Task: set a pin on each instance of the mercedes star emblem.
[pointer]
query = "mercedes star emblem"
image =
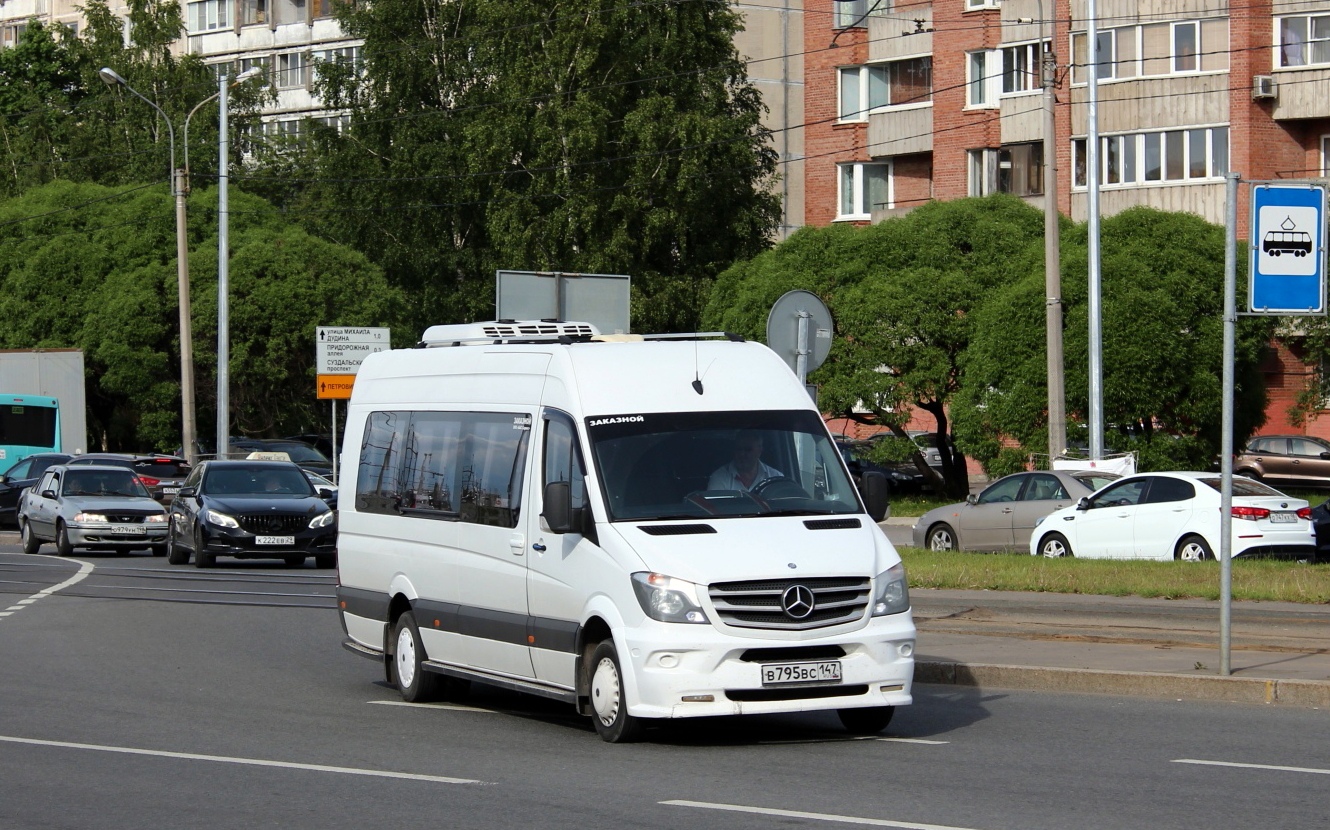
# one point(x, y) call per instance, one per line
point(797, 602)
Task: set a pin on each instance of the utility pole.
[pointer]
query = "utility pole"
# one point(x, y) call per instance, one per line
point(1057, 413)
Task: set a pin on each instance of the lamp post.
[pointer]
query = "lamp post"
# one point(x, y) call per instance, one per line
point(112, 78)
point(223, 260)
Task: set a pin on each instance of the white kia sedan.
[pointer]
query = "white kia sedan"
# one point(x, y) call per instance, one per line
point(1176, 516)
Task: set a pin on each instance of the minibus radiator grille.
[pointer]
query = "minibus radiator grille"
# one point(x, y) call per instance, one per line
point(760, 603)
point(267, 524)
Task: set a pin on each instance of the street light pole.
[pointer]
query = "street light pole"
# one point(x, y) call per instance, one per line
point(111, 78)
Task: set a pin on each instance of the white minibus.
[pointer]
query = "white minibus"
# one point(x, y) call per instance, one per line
point(644, 527)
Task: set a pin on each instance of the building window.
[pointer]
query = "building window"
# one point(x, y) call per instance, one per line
point(974, 5)
point(1017, 169)
point(291, 70)
point(253, 12)
point(1135, 159)
point(1304, 40)
point(1325, 159)
point(1186, 47)
point(864, 188)
point(867, 89)
point(1154, 49)
point(984, 78)
point(1021, 67)
point(862, 90)
point(852, 13)
point(320, 9)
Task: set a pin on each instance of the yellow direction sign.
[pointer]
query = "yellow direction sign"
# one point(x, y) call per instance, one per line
point(336, 387)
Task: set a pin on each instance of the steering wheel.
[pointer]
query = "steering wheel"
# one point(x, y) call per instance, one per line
point(780, 487)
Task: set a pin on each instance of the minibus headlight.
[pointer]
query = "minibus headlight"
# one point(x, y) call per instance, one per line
point(221, 519)
point(893, 596)
point(668, 599)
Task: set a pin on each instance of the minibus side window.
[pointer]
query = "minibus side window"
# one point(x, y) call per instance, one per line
point(377, 489)
point(492, 463)
point(430, 459)
point(563, 459)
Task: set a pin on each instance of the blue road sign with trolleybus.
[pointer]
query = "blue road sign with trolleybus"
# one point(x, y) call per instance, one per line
point(1287, 274)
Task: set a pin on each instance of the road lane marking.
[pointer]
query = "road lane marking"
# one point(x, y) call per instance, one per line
point(451, 706)
point(767, 811)
point(1272, 767)
point(920, 741)
point(253, 762)
point(85, 568)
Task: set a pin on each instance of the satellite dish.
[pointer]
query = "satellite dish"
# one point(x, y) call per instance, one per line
point(797, 310)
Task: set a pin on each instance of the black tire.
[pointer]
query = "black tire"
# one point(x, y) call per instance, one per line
point(408, 663)
point(941, 537)
point(31, 544)
point(294, 561)
point(325, 561)
point(63, 547)
point(1193, 548)
point(202, 558)
point(175, 554)
point(609, 712)
point(867, 721)
point(1055, 546)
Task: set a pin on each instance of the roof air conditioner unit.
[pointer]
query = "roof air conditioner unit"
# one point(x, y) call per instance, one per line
point(1263, 87)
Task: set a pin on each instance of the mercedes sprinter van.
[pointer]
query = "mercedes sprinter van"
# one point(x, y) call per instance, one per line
point(644, 527)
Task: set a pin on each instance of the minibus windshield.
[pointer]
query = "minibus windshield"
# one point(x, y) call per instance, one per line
point(714, 465)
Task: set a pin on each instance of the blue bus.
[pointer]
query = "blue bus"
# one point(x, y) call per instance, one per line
point(28, 424)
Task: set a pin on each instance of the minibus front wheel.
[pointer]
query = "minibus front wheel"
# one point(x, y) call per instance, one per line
point(609, 710)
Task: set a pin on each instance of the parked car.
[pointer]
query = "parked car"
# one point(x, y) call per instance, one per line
point(1286, 460)
point(251, 510)
point(161, 474)
point(901, 478)
point(301, 453)
point(928, 443)
point(1004, 514)
point(322, 485)
point(99, 507)
point(21, 476)
point(1176, 516)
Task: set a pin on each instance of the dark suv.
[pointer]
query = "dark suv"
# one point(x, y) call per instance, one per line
point(1286, 460)
point(161, 474)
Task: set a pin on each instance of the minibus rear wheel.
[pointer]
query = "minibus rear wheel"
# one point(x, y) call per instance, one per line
point(609, 710)
point(415, 684)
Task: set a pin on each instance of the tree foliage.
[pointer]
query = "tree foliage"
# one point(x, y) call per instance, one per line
point(90, 267)
point(943, 310)
point(578, 136)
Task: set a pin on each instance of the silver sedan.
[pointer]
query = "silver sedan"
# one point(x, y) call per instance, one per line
point(1003, 516)
point(104, 508)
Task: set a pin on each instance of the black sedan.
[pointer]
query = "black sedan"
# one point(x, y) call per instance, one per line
point(19, 477)
point(1321, 530)
point(251, 510)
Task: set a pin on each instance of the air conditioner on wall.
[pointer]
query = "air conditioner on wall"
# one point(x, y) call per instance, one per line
point(1262, 87)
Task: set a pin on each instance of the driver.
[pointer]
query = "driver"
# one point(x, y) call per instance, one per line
point(746, 470)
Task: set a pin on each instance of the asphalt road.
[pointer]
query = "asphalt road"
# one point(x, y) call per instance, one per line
point(145, 695)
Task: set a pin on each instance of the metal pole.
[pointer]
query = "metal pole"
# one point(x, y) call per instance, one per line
point(187, 440)
point(801, 354)
point(1057, 413)
point(334, 441)
point(1226, 431)
point(1094, 305)
point(223, 282)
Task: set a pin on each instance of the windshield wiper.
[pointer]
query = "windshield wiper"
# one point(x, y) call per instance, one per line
point(799, 512)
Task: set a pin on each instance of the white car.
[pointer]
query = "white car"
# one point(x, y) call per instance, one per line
point(1176, 516)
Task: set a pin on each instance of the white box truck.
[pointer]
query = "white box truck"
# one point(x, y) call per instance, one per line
point(643, 527)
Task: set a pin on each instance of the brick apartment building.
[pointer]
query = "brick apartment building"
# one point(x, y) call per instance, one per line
point(912, 100)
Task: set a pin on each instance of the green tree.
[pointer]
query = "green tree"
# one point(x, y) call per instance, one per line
point(90, 267)
point(577, 136)
point(1162, 327)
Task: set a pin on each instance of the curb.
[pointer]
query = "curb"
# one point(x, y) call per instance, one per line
point(1314, 694)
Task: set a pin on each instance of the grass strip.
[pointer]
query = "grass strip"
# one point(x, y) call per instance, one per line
point(1252, 579)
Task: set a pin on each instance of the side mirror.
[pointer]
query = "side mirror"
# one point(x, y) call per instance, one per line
point(325, 493)
point(1323, 455)
point(187, 492)
point(4, 479)
point(48, 494)
point(972, 499)
point(558, 512)
point(1084, 503)
point(876, 495)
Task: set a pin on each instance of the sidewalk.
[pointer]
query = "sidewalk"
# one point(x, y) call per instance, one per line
point(1280, 652)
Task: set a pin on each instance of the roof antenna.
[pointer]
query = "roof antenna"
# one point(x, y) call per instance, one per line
point(697, 378)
